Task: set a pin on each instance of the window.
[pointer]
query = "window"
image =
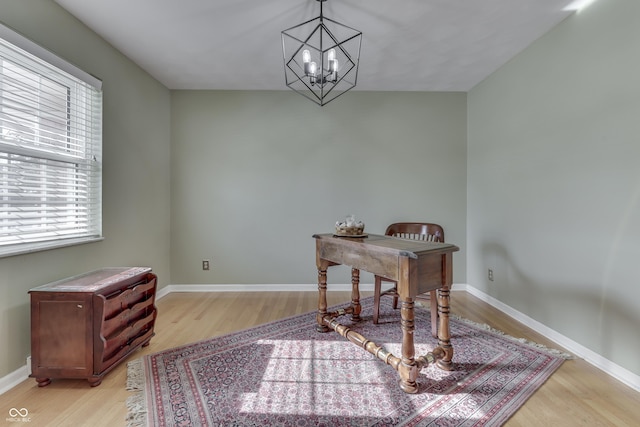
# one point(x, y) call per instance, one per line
point(50, 149)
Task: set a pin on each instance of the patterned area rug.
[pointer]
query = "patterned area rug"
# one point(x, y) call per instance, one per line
point(286, 374)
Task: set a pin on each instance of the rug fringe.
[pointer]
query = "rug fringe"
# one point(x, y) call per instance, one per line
point(489, 328)
point(536, 345)
point(136, 403)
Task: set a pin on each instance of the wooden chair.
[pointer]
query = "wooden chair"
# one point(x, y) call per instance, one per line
point(417, 231)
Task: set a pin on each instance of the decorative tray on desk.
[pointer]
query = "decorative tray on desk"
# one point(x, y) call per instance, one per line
point(350, 228)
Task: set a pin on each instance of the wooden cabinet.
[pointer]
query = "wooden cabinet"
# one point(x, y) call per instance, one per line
point(81, 327)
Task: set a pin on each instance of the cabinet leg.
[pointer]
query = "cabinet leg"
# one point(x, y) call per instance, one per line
point(94, 382)
point(43, 382)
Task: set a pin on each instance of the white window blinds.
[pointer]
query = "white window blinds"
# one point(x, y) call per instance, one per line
point(50, 151)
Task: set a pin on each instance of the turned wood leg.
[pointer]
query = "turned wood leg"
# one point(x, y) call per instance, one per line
point(355, 294)
point(408, 370)
point(444, 337)
point(43, 382)
point(433, 300)
point(322, 299)
point(377, 284)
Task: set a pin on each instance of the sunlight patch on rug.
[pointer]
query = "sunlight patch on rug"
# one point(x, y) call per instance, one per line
point(299, 383)
point(285, 373)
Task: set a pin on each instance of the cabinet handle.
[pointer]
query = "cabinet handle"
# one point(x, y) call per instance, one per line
point(79, 305)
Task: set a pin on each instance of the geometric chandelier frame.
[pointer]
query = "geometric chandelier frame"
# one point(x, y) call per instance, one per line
point(321, 58)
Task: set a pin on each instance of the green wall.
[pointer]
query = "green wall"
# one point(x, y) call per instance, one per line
point(136, 174)
point(554, 182)
point(256, 174)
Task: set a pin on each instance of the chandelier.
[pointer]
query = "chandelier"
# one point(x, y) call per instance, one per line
point(321, 58)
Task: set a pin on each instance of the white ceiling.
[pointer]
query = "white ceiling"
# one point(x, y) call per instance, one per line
point(407, 45)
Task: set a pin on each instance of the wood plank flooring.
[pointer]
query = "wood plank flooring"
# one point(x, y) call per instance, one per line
point(576, 395)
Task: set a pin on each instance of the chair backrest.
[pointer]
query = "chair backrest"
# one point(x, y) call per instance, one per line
point(416, 231)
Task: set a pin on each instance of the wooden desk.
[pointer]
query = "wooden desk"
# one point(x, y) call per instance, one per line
point(416, 266)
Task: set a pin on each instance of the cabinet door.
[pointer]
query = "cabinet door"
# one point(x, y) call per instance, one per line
point(62, 341)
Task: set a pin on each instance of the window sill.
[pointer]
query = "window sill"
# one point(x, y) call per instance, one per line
point(28, 248)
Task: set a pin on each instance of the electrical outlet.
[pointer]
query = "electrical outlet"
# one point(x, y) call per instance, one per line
point(490, 274)
point(205, 264)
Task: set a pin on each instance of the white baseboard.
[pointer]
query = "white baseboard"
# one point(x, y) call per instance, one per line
point(269, 288)
point(616, 371)
point(621, 374)
point(13, 379)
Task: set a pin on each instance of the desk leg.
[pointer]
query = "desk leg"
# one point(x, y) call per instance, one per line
point(408, 368)
point(322, 298)
point(355, 294)
point(444, 336)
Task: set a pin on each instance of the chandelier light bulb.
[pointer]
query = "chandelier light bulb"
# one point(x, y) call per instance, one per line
point(306, 59)
point(333, 62)
point(313, 67)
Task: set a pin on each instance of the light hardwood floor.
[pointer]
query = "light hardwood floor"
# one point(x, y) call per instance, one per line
point(576, 395)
